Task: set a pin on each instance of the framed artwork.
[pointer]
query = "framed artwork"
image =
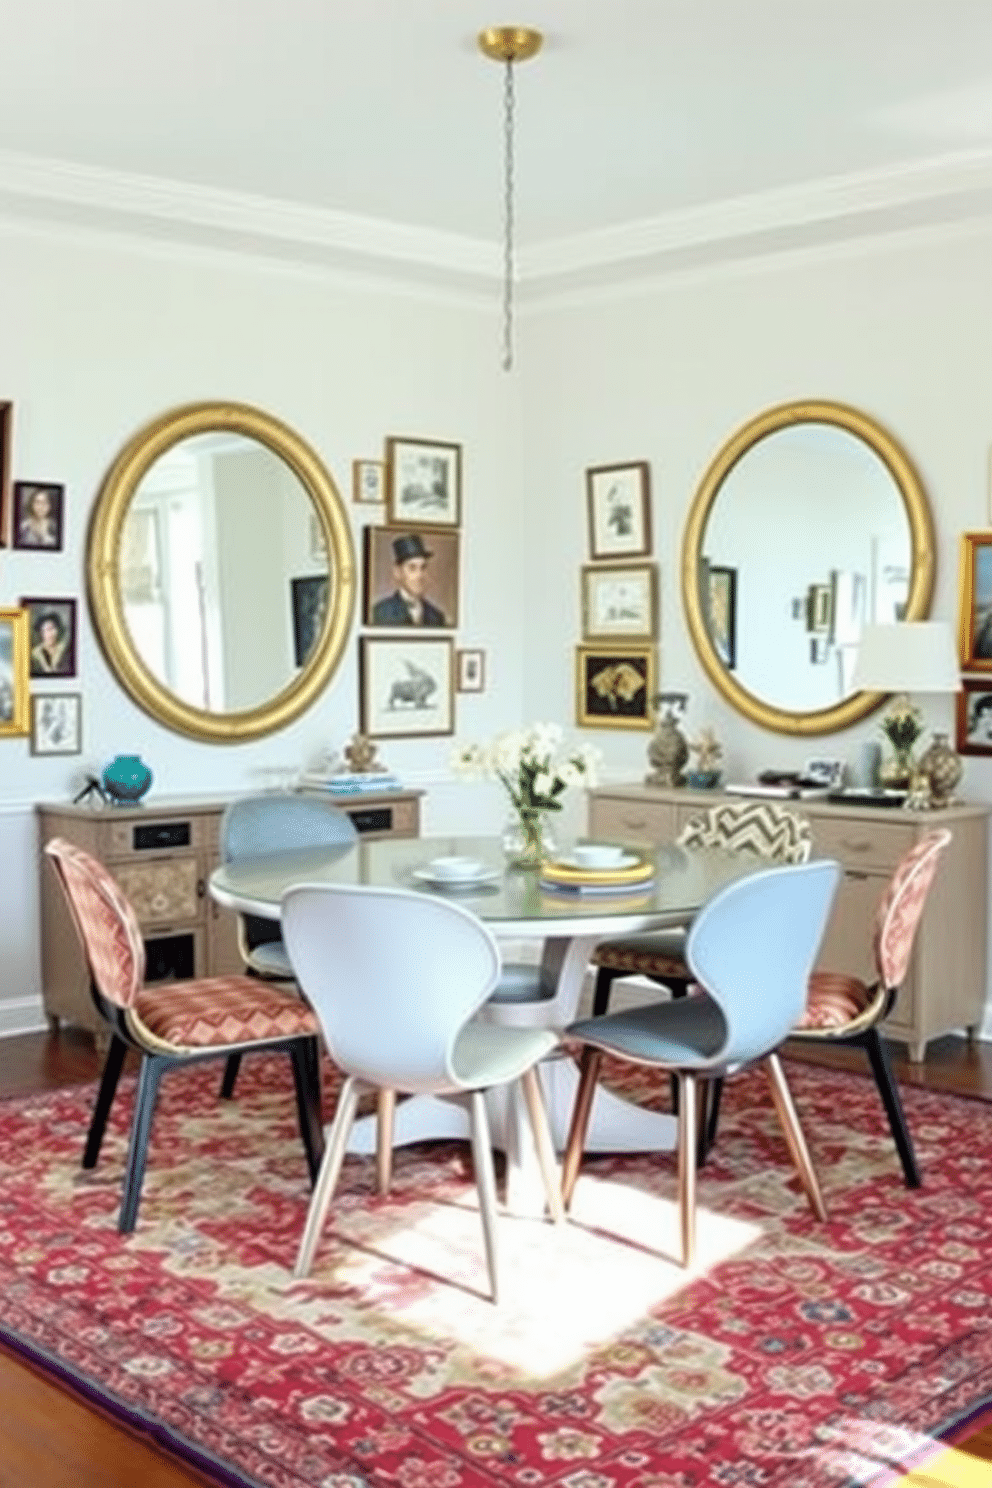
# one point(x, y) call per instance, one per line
point(411, 578)
point(619, 498)
point(818, 608)
point(975, 602)
point(974, 716)
point(308, 598)
point(368, 481)
point(721, 601)
point(52, 635)
point(38, 515)
point(423, 482)
point(56, 723)
point(406, 686)
point(614, 686)
point(620, 602)
point(14, 648)
point(6, 425)
point(471, 671)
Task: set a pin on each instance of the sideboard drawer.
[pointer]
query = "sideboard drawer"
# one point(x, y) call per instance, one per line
point(859, 844)
point(163, 891)
point(156, 834)
point(616, 819)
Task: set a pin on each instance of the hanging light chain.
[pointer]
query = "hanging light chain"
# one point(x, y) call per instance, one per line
point(509, 119)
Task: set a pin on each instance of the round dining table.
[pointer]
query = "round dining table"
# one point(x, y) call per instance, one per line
point(517, 905)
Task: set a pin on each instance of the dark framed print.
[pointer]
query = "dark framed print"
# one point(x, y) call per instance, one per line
point(56, 723)
point(974, 716)
point(614, 686)
point(308, 597)
point(6, 425)
point(620, 602)
point(619, 498)
point(14, 647)
point(406, 686)
point(39, 508)
point(368, 481)
point(423, 482)
point(471, 671)
point(975, 602)
point(52, 627)
point(411, 578)
point(722, 612)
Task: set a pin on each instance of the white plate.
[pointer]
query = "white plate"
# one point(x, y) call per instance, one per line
point(627, 860)
point(484, 875)
point(582, 891)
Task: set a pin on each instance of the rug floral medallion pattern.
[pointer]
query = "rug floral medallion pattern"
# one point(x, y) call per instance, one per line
point(794, 1353)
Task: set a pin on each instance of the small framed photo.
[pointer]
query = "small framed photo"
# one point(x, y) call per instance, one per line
point(406, 686)
point(818, 609)
point(721, 608)
point(368, 481)
point(471, 671)
point(974, 716)
point(614, 686)
point(38, 515)
point(411, 578)
point(619, 498)
point(975, 602)
point(52, 627)
point(6, 424)
point(56, 723)
point(620, 602)
point(423, 482)
point(14, 647)
point(308, 599)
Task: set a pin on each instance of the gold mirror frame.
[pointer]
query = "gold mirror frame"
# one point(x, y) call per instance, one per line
point(841, 715)
point(103, 571)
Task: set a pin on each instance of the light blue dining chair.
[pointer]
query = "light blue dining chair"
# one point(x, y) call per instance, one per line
point(750, 952)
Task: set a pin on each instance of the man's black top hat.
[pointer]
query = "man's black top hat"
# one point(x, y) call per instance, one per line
point(410, 545)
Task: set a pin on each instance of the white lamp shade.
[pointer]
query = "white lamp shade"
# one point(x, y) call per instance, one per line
point(908, 656)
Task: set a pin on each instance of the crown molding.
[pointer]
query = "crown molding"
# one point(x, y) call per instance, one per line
point(937, 192)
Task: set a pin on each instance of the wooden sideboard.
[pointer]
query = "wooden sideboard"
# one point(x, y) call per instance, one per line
point(162, 853)
point(945, 987)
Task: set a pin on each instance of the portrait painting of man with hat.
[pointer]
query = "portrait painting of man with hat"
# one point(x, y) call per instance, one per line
point(402, 565)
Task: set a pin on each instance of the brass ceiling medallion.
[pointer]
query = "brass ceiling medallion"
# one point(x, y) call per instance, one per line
point(508, 45)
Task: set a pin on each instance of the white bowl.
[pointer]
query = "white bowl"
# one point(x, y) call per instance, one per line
point(598, 855)
point(454, 869)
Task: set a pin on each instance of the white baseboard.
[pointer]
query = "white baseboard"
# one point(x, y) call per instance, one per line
point(21, 1015)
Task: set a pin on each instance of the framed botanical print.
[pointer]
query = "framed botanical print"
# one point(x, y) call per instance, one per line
point(56, 723)
point(620, 601)
point(471, 670)
point(14, 648)
point(975, 602)
point(406, 686)
point(423, 482)
point(614, 686)
point(619, 499)
point(52, 625)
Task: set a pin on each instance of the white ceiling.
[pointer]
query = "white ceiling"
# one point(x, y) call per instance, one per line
point(363, 129)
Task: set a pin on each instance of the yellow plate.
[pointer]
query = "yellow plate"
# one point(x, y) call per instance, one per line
point(565, 873)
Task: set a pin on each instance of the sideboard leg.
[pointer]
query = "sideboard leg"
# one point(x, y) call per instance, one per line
point(917, 1052)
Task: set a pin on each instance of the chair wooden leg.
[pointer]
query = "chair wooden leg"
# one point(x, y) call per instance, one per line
point(536, 1109)
point(105, 1099)
point(384, 1123)
point(889, 1091)
point(485, 1182)
point(601, 991)
point(153, 1067)
point(327, 1178)
point(231, 1068)
point(687, 1165)
point(782, 1096)
point(303, 1055)
point(581, 1111)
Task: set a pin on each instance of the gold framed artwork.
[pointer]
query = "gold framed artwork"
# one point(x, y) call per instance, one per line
point(620, 601)
point(368, 481)
point(975, 602)
point(14, 670)
point(614, 686)
point(423, 482)
point(406, 686)
point(619, 501)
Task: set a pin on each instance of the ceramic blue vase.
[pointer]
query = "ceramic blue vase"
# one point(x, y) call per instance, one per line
point(126, 778)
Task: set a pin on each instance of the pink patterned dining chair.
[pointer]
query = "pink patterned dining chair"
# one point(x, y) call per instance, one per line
point(173, 1023)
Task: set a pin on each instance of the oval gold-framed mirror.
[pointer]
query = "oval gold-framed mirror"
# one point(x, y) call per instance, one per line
point(221, 571)
point(809, 521)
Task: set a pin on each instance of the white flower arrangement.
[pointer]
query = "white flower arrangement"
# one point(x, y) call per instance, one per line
point(532, 766)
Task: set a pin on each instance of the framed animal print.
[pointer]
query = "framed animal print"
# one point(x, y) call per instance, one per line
point(406, 686)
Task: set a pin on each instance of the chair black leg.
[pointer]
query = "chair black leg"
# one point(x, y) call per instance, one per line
point(305, 1055)
point(889, 1092)
point(601, 992)
point(153, 1067)
point(231, 1068)
point(104, 1100)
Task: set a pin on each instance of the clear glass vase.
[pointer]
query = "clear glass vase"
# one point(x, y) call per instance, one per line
point(527, 839)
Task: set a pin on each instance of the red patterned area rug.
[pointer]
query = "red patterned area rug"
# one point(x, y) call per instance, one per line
point(794, 1353)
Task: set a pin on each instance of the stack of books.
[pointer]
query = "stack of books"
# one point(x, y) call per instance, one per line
point(346, 784)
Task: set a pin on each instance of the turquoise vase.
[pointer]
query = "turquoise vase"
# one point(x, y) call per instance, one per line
point(126, 779)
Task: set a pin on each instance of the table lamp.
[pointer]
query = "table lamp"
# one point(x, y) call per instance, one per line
point(914, 656)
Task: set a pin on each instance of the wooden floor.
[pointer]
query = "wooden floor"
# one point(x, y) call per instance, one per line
point(49, 1439)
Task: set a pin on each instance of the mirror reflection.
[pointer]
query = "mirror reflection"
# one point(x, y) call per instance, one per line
point(223, 585)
